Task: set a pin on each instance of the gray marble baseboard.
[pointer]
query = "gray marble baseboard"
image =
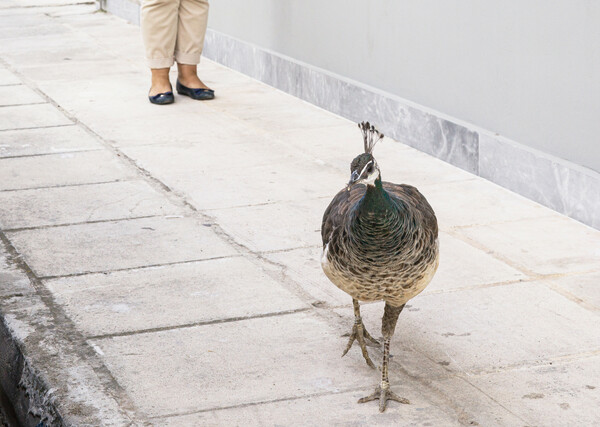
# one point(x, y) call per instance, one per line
point(126, 9)
point(553, 182)
point(565, 187)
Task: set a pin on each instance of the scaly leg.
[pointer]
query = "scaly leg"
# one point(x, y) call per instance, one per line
point(383, 392)
point(359, 333)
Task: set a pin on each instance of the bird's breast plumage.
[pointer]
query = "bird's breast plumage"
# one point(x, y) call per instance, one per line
point(385, 252)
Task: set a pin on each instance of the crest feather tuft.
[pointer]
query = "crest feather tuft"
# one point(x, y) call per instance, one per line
point(371, 136)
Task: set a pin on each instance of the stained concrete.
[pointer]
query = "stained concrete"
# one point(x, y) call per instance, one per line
point(160, 265)
point(60, 169)
point(82, 203)
point(26, 142)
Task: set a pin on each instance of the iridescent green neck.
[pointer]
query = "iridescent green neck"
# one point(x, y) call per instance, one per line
point(376, 199)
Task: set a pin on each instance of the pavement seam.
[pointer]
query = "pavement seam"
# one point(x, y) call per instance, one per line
point(266, 402)
point(44, 187)
point(455, 233)
point(195, 324)
point(20, 105)
point(565, 293)
point(36, 127)
point(97, 221)
point(19, 156)
point(494, 400)
point(139, 267)
point(43, 6)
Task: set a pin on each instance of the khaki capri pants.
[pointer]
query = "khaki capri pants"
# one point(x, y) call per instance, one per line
point(173, 30)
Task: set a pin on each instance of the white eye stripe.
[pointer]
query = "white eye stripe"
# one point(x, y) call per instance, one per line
point(363, 170)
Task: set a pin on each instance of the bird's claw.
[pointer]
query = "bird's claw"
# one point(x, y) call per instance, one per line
point(359, 333)
point(383, 394)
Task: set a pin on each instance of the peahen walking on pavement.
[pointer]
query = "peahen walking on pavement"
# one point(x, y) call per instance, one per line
point(380, 242)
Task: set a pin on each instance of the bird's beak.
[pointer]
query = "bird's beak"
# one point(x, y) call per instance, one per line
point(353, 178)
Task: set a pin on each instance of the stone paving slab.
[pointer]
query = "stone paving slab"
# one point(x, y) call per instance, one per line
point(26, 142)
point(50, 49)
point(168, 296)
point(549, 245)
point(513, 325)
point(31, 116)
point(584, 288)
point(276, 226)
point(478, 408)
point(197, 170)
point(7, 78)
point(18, 32)
point(62, 169)
point(114, 245)
point(18, 95)
point(12, 280)
point(82, 203)
point(560, 394)
point(221, 365)
point(475, 202)
point(39, 3)
point(339, 409)
point(279, 111)
point(71, 71)
point(303, 266)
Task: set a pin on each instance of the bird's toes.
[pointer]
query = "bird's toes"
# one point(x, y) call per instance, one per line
point(393, 396)
point(370, 397)
point(383, 395)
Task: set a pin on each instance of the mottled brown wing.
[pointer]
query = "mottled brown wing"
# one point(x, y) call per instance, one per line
point(410, 195)
point(337, 213)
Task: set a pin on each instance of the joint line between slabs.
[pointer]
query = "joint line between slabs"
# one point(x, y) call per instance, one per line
point(495, 400)
point(139, 267)
point(202, 323)
point(45, 187)
point(34, 6)
point(19, 156)
point(98, 221)
point(262, 402)
point(39, 127)
point(26, 103)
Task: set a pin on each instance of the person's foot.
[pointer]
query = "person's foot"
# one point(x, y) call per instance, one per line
point(188, 76)
point(160, 81)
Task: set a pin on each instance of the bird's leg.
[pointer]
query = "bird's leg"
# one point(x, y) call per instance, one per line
point(383, 392)
point(359, 333)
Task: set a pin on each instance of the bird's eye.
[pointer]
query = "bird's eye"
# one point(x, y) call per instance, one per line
point(370, 169)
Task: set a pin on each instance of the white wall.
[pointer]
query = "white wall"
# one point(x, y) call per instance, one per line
point(528, 70)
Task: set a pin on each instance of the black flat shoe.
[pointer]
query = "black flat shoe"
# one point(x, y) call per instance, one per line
point(199, 94)
point(162, 98)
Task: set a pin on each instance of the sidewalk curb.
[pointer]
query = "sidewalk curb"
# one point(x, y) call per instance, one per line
point(31, 398)
point(48, 372)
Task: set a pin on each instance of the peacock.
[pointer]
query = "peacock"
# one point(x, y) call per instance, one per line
point(380, 242)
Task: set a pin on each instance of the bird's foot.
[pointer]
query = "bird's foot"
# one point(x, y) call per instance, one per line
point(359, 333)
point(383, 393)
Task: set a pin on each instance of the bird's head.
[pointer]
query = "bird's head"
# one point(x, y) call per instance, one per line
point(363, 168)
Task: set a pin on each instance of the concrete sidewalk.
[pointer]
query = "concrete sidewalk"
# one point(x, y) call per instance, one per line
point(159, 265)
